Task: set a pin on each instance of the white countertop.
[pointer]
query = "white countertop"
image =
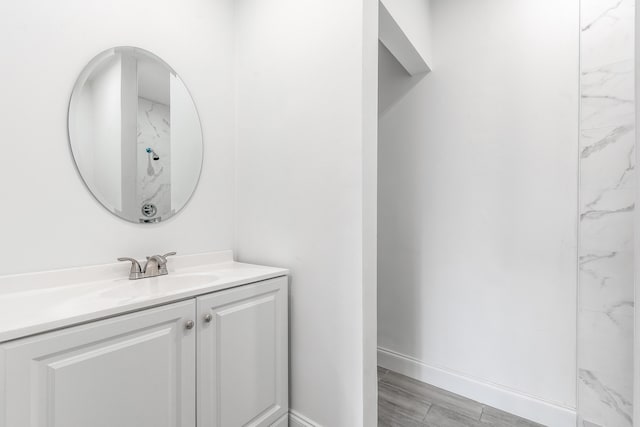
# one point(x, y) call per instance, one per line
point(38, 302)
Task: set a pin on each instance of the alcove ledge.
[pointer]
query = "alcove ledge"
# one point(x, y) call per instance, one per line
point(399, 44)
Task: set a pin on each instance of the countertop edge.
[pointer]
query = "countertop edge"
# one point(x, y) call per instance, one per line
point(53, 325)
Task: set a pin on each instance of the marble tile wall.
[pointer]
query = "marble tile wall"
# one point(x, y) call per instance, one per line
point(154, 176)
point(607, 163)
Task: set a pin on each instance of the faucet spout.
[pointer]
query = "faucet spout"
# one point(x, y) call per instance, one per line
point(155, 266)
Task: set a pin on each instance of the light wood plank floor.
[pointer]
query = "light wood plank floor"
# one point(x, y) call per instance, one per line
point(405, 402)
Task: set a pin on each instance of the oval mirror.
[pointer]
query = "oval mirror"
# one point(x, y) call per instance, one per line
point(135, 135)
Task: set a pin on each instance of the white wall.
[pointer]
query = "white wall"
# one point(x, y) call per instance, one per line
point(478, 200)
point(49, 220)
point(306, 188)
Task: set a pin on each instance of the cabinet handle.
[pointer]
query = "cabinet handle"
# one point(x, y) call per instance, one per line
point(208, 318)
point(189, 324)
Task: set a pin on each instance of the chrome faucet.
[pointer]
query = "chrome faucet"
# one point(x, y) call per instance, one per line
point(156, 265)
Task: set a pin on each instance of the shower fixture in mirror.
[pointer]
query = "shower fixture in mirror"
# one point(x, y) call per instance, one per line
point(135, 135)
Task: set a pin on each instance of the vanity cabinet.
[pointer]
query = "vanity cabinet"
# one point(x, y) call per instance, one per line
point(129, 371)
point(219, 359)
point(242, 356)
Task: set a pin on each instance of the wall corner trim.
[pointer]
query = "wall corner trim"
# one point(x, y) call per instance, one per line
point(494, 395)
point(296, 419)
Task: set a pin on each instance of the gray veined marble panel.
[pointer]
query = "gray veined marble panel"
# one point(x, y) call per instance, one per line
point(613, 146)
point(605, 277)
point(606, 32)
point(604, 401)
point(607, 203)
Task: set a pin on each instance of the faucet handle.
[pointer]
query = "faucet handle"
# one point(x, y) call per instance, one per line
point(163, 267)
point(161, 259)
point(136, 270)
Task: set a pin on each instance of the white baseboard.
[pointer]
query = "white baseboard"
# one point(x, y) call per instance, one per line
point(283, 421)
point(296, 419)
point(505, 399)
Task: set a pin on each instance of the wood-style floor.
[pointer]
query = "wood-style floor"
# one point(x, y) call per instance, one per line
point(405, 402)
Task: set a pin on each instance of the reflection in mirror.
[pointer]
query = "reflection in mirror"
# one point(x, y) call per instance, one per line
point(135, 135)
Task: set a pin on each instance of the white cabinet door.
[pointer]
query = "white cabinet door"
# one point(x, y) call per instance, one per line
point(136, 370)
point(242, 355)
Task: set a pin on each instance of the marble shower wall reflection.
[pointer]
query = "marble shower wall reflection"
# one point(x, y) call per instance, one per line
point(154, 176)
point(607, 168)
